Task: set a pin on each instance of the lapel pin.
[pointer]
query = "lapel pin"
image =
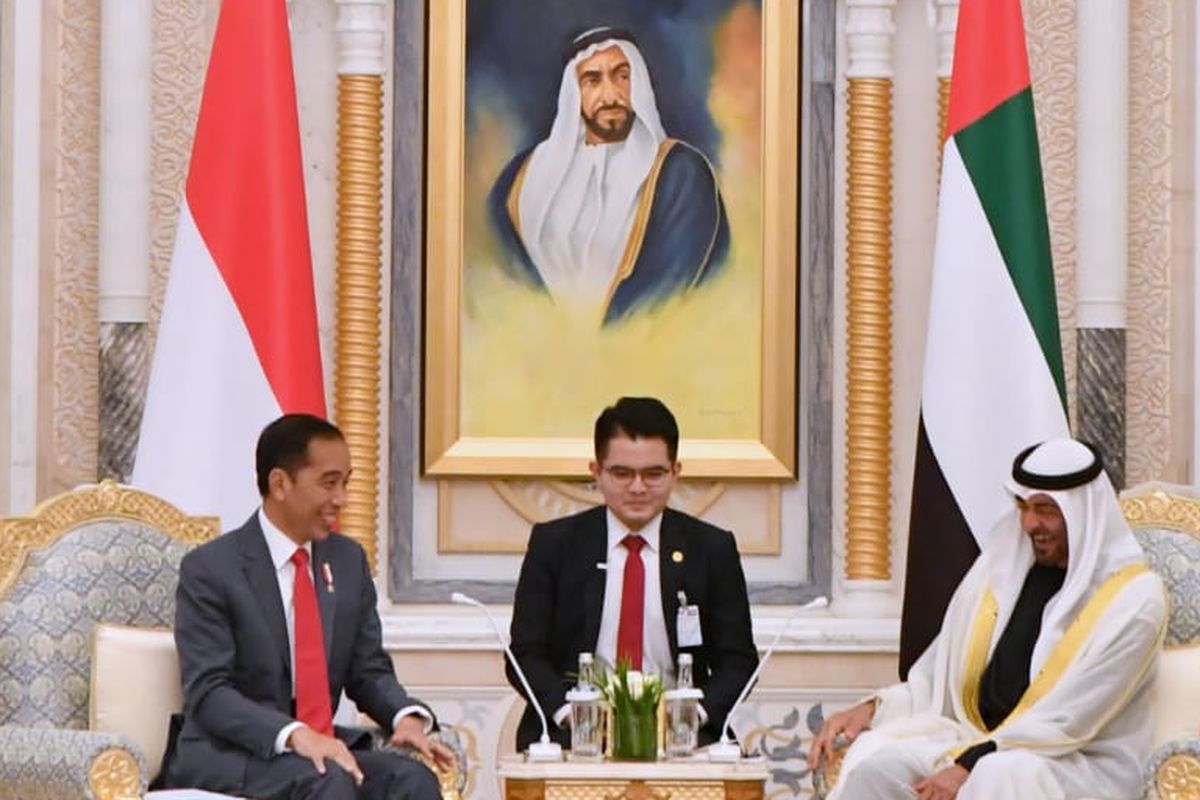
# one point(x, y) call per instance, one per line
point(677, 556)
point(327, 574)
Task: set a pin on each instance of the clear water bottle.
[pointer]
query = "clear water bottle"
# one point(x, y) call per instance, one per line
point(587, 712)
point(683, 671)
point(682, 711)
point(587, 670)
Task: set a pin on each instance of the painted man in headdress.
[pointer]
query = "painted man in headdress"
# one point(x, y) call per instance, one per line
point(608, 213)
point(1038, 684)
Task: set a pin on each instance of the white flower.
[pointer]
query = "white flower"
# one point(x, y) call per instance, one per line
point(636, 684)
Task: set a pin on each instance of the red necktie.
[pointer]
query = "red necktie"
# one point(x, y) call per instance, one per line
point(312, 679)
point(633, 603)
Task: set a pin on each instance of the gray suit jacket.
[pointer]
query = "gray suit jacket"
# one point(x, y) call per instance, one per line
point(235, 660)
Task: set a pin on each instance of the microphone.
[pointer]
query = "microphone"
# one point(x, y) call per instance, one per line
point(725, 750)
point(543, 750)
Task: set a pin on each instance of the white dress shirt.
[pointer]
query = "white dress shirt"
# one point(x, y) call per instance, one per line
point(656, 648)
point(281, 548)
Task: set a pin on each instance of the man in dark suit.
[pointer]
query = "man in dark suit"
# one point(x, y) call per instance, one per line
point(632, 580)
point(273, 621)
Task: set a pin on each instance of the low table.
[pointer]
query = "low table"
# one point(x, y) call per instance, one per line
point(681, 779)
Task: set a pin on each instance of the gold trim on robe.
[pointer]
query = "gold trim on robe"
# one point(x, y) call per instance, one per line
point(1060, 658)
point(977, 656)
point(641, 219)
point(513, 202)
point(1080, 629)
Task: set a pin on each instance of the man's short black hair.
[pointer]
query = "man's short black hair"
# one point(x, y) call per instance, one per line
point(637, 418)
point(284, 444)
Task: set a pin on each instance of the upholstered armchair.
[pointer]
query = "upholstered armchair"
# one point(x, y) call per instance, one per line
point(1166, 521)
point(103, 553)
point(88, 670)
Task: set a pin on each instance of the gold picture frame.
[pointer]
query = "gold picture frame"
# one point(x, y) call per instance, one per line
point(447, 449)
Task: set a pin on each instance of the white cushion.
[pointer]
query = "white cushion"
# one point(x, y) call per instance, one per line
point(1175, 696)
point(135, 686)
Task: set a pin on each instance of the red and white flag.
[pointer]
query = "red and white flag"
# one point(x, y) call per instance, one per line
point(237, 343)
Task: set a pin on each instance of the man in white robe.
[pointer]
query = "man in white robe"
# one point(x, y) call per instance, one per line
point(607, 214)
point(1038, 684)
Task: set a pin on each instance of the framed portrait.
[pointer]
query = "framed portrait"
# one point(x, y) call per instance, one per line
point(611, 209)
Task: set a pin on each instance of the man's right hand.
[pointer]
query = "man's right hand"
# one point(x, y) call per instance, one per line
point(852, 722)
point(304, 741)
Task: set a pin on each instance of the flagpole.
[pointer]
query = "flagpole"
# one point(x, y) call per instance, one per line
point(360, 31)
point(867, 567)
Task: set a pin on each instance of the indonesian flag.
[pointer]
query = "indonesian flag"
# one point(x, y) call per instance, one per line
point(993, 381)
point(237, 343)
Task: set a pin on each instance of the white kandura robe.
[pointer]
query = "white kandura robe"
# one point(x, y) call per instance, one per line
point(1088, 734)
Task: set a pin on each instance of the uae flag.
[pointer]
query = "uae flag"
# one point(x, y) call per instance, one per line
point(237, 343)
point(993, 381)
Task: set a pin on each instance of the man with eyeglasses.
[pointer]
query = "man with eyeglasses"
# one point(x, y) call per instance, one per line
point(631, 580)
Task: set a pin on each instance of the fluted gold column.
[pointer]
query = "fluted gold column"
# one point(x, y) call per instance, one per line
point(358, 369)
point(869, 329)
point(359, 261)
point(866, 557)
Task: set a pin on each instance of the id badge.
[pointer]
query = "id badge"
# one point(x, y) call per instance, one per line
point(687, 627)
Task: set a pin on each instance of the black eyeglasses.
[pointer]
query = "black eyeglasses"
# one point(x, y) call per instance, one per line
point(652, 477)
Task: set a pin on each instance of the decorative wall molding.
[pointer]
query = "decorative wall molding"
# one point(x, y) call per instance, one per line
point(75, 397)
point(1050, 34)
point(183, 31)
point(1149, 312)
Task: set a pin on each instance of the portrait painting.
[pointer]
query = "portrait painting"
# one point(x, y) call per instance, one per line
point(610, 211)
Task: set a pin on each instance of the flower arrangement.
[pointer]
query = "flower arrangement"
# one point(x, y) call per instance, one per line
point(633, 697)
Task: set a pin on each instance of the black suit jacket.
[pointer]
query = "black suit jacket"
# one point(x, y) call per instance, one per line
point(560, 597)
point(235, 660)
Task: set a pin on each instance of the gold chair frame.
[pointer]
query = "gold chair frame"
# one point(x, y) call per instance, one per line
point(58, 516)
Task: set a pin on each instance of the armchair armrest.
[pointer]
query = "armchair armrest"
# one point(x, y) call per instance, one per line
point(1173, 770)
point(56, 764)
point(825, 776)
point(453, 783)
